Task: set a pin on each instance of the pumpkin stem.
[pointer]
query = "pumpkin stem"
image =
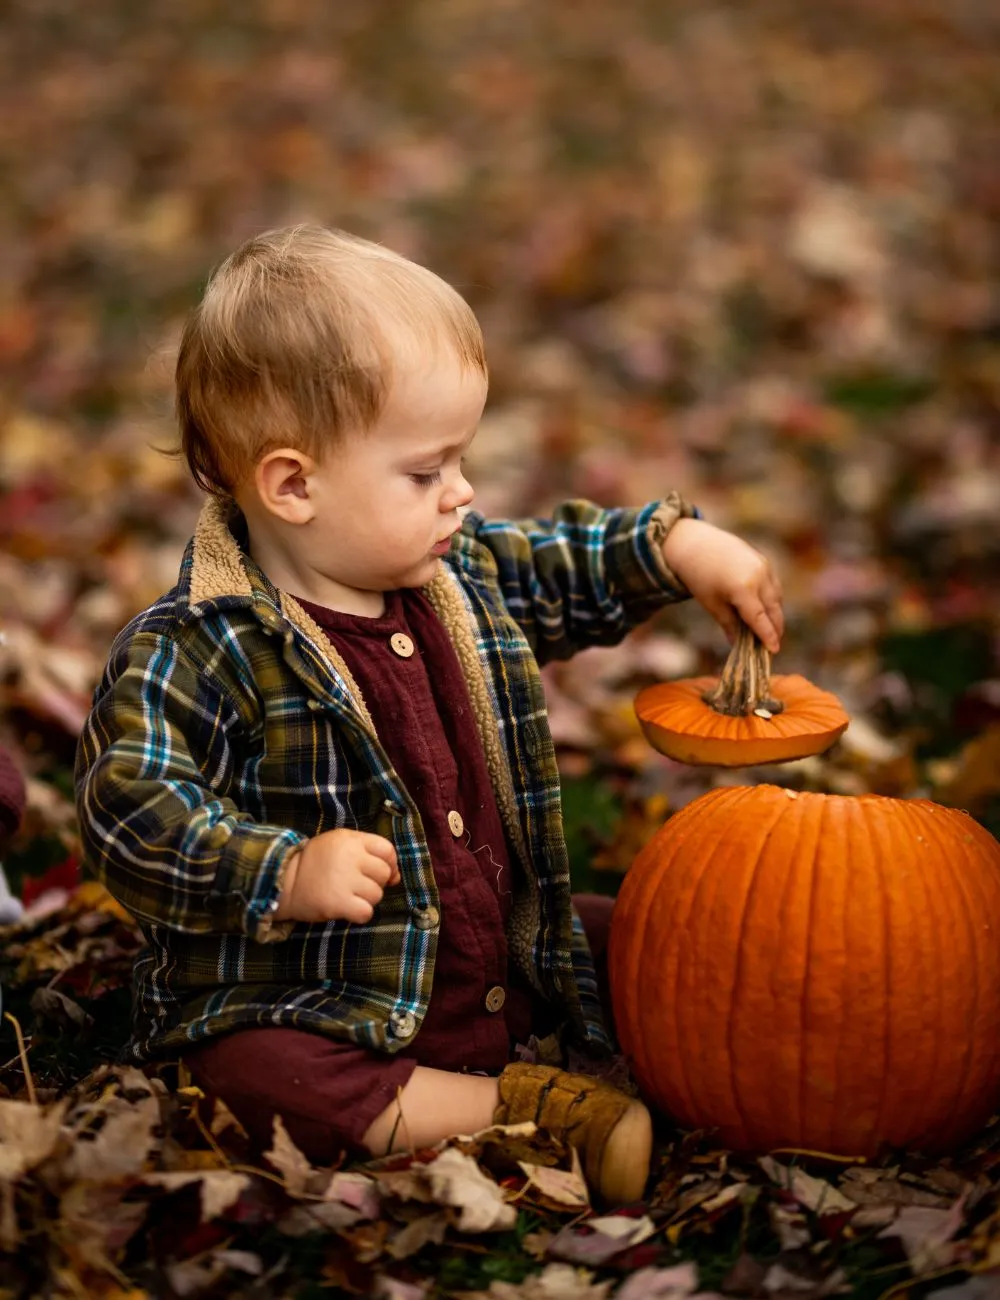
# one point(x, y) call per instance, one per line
point(743, 686)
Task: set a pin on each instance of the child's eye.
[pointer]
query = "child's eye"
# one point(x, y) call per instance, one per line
point(427, 480)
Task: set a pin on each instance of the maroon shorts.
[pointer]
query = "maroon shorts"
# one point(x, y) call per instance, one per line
point(327, 1092)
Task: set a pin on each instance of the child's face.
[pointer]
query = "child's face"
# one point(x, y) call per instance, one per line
point(386, 501)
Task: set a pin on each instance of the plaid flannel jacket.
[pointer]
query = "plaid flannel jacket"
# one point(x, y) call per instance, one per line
point(226, 730)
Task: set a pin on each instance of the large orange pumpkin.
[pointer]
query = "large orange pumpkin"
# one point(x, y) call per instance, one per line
point(813, 971)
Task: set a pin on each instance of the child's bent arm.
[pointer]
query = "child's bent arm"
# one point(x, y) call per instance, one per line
point(585, 577)
point(169, 846)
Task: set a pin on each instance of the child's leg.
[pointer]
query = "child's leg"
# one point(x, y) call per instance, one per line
point(612, 1132)
point(434, 1104)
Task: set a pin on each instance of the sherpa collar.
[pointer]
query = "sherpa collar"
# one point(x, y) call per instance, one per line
point(220, 569)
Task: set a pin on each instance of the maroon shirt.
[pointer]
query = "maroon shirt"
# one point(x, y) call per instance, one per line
point(328, 1092)
point(420, 706)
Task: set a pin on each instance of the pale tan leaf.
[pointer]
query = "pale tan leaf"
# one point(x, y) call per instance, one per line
point(815, 1194)
point(219, 1188)
point(121, 1147)
point(455, 1179)
point(564, 1189)
point(289, 1161)
point(429, 1228)
point(28, 1135)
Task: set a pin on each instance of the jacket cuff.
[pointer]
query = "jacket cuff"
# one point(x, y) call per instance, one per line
point(268, 930)
point(664, 515)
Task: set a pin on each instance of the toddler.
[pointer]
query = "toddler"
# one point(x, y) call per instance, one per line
point(318, 770)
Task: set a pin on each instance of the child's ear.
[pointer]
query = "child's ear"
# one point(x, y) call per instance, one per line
point(282, 482)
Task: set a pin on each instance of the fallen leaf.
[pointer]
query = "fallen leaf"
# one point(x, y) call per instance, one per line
point(558, 1189)
point(455, 1179)
point(28, 1135)
point(219, 1188)
point(926, 1234)
point(815, 1194)
point(416, 1234)
point(296, 1171)
point(778, 1278)
point(190, 1276)
point(392, 1288)
point(121, 1146)
point(661, 1283)
point(595, 1241)
point(555, 1282)
point(870, 1187)
point(355, 1191)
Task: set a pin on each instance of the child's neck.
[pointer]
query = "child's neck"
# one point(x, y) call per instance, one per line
point(363, 604)
point(301, 580)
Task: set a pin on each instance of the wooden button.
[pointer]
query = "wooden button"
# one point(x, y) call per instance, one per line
point(401, 644)
point(455, 823)
point(495, 998)
point(426, 918)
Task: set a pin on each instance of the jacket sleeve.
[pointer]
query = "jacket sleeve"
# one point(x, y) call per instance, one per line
point(152, 766)
point(585, 577)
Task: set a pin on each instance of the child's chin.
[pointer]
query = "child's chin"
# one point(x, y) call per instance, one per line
point(420, 573)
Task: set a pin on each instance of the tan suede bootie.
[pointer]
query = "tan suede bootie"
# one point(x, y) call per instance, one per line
point(612, 1132)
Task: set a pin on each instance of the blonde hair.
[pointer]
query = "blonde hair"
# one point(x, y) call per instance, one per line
point(294, 342)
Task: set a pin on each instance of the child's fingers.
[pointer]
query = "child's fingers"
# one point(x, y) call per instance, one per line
point(759, 620)
point(377, 870)
point(385, 851)
point(367, 888)
point(380, 847)
point(358, 911)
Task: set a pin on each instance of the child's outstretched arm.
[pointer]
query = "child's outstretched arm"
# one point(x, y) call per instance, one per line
point(588, 575)
point(728, 577)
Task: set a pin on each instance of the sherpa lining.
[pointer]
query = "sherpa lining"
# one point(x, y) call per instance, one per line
point(217, 563)
point(218, 571)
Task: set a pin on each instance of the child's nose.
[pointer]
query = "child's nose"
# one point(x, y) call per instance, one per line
point(458, 495)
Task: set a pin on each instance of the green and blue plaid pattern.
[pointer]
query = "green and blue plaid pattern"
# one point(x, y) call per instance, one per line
point(222, 735)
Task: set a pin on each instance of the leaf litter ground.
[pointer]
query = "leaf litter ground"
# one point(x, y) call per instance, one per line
point(120, 1183)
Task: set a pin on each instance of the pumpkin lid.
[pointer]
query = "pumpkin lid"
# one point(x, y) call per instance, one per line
point(745, 717)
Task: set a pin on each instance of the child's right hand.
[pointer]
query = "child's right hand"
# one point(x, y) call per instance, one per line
point(338, 876)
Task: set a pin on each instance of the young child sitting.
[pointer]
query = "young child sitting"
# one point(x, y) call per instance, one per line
point(318, 770)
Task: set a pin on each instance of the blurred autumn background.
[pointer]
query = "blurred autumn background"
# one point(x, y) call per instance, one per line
point(748, 250)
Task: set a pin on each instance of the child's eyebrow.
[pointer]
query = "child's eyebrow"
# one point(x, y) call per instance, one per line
point(440, 448)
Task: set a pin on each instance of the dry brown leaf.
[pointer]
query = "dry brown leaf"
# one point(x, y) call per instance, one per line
point(121, 1147)
point(455, 1179)
point(28, 1136)
point(296, 1171)
point(926, 1234)
point(555, 1282)
point(428, 1228)
point(218, 1188)
point(95, 1223)
point(557, 1189)
point(815, 1194)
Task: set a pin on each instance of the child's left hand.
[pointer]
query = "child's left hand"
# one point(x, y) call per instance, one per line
point(727, 576)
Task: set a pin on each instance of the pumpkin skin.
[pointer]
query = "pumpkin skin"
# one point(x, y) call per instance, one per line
point(676, 721)
point(810, 971)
